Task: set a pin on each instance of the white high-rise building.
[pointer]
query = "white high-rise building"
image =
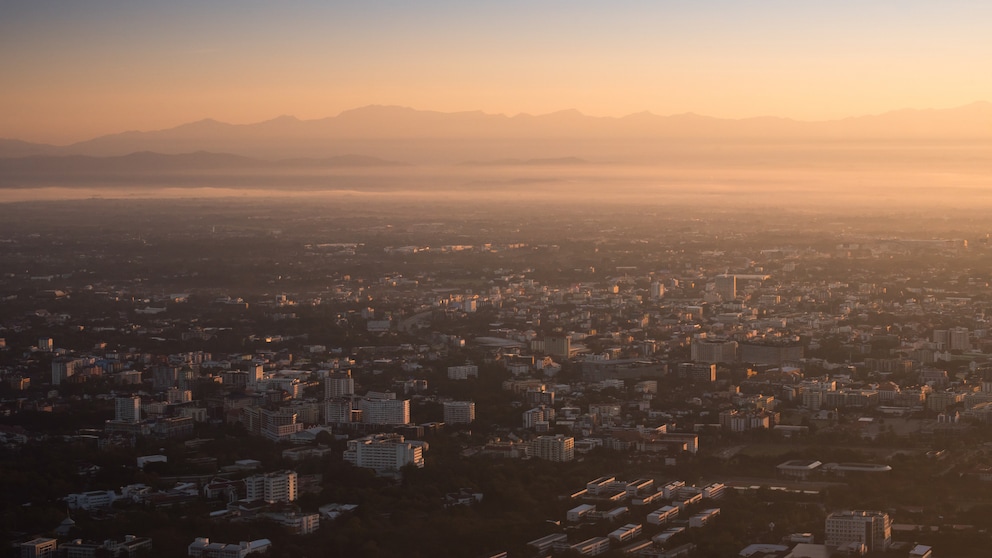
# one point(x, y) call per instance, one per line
point(128, 409)
point(870, 528)
point(339, 384)
point(279, 486)
point(554, 448)
point(385, 411)
point(459, 412)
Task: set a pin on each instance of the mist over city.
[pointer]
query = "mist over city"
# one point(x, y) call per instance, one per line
point(395, 279)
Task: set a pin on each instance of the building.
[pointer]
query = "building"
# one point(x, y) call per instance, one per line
point(278, 486)
point(338, 411)
point(626, 533)
point(577, 513)
point(129, 547)
point(62, 368)
point(278, 425)
point(203, 548)
point(538, 415)
point(703, 518)
point(771, 353)
point(558, 345)
point(297, 523)
point(385, 411)
point(713, 351)
point(556, 448)
point(385, 452)
point(164, 377)
point(459, 412)
point(697, 373)
point(592, 547)
point(544, 544)
point(663, 515)
point(870, 528)
point(42, 547)
point(726, 286)
point(339, 384)
point(127, 409)
point(463, 372)
point(176, 396)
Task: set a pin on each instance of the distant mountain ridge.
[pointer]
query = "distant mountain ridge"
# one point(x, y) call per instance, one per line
point(406, 134)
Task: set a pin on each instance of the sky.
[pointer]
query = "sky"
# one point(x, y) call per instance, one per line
point(75, 70)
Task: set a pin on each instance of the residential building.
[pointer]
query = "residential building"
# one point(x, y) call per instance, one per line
point(339, 384)
point(463, 372)
point(459, 412)
point(127, 409)
point(385, 452)
point(726, 286)
point(385, 411)
point(870, 528)
point(557, 448)
point(278, 486)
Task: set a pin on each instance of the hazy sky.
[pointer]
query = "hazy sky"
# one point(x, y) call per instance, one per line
point(71, 70)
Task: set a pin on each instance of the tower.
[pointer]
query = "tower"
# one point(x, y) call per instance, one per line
point(726, 286)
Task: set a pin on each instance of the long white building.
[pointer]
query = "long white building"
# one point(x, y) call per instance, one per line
point(385, 411)
point(385, 452)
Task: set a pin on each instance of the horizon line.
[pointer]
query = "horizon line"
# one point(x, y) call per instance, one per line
point(285, 116)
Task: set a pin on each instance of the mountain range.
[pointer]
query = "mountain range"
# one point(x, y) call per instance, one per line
point(390, 133)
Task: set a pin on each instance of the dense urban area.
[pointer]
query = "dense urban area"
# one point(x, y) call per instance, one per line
point(390, 377)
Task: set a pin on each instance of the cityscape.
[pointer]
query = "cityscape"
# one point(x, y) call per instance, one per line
point(651, 386)
point(495, 280)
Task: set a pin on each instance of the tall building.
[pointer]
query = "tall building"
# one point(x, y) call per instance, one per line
point(385, 411)
point(385, 452)
point(278, 486)
point(165, 377)
point(558, 345)
point(870, 528)
point(657, 290)
point(556, 448)
point(45, 344)
point(186, 377)
point(62, 368)
point(726, 286)
point(459, 412)
point(958, 338)
point(128, 409)
point(337, 411)
point(339, 384)
point(256, 372)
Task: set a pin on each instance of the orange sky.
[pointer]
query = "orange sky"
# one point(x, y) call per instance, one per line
point(76, 70)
